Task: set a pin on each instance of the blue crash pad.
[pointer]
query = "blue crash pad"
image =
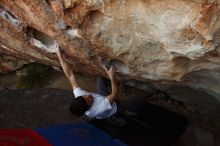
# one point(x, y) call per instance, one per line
point(77, 135)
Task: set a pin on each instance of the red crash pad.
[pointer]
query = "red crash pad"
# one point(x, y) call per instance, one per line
point(21, 137)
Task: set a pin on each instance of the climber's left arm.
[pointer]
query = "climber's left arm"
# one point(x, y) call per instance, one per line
point(67, 70)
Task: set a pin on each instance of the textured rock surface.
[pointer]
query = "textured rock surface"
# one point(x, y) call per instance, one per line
point(166, 41)
point(9, 64)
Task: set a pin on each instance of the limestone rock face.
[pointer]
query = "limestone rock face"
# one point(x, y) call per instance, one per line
point(9, 64)
point(166, 41)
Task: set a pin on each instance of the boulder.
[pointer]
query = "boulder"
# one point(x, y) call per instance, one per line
point(164, 42)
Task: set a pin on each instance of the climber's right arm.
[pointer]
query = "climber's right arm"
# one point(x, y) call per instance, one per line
point(111, 73)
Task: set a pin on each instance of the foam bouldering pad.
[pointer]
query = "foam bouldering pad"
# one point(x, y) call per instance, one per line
point(77, 135)
point(21, 137)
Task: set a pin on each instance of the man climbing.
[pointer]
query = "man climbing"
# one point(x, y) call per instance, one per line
point(94, 105)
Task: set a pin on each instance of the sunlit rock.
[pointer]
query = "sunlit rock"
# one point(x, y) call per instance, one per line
point(165, 42)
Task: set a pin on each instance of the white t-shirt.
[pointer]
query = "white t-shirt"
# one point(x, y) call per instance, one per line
point(101, 107)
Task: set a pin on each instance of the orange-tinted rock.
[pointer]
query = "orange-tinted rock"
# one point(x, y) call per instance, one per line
point(9, 64)
point(162, 40)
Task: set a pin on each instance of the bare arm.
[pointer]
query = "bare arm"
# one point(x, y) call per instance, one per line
point(67, 71)
point(112, 97)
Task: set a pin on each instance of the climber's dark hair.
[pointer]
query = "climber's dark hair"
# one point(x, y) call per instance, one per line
point(78, 106)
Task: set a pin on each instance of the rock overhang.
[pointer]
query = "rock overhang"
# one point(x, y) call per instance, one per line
point(146, 40)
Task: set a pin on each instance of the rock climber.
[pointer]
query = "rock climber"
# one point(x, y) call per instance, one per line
point(94, 105)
